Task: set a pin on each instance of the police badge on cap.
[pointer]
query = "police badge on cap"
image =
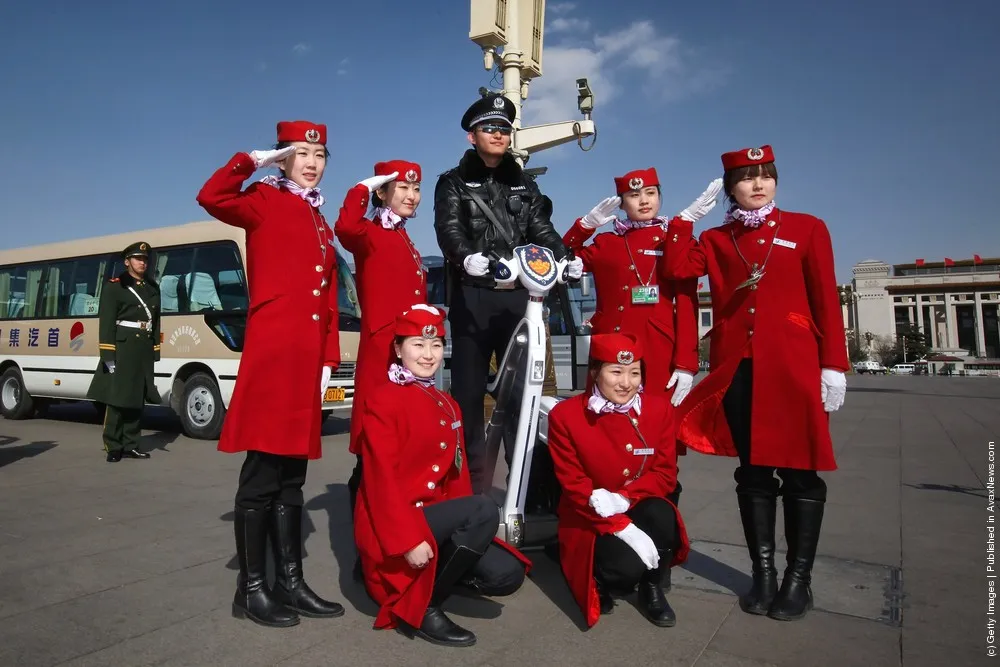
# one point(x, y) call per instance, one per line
point(492, 108)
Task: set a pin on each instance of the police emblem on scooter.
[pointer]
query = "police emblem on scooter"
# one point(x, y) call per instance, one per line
point(537, 264)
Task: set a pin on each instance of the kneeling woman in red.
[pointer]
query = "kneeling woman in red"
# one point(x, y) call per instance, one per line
point(616, 464)
point(418, 528)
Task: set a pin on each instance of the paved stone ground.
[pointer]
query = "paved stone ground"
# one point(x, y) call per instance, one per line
point(133, 564)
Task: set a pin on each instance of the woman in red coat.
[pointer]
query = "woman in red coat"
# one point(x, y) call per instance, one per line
point(418, 527)
point(390, 274)
point(616, 464)
point(290, 350)
point(778, 359)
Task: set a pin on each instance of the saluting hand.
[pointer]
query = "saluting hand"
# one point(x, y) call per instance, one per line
point(705, 202)
point(419, 556)
point(375, 182)
point(267, 158)
point(601, 214)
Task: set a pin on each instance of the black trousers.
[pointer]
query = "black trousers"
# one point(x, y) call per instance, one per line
point(482, 323)
point(616, 564)
point(759, 480)
point(269, 478)
point(472, 522)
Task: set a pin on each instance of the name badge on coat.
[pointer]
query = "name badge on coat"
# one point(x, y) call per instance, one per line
point(783, 243)
point(644, 452)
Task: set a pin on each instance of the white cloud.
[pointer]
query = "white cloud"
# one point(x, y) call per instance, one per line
point(561, 7)
point(567, 25)
point(342, 66)
point(301, 48)
point(651, 66)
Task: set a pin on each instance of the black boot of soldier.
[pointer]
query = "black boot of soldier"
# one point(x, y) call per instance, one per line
point(758, 515)
point(803, 519)
point(253, 600)
point(290, 587)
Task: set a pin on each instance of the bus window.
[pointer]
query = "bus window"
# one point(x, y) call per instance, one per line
point(195, 279)
point(347, 292)
point(19, 286)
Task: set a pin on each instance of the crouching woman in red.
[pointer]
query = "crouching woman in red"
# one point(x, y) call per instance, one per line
point(778, 361)
point(290, 350)
point(616, 463)
point(418, 528)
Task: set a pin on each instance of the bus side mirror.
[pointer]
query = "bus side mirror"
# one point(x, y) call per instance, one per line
point(585, 285)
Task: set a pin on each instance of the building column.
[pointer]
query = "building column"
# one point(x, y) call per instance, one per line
point(950, 324)
point(932, 313)
point(980, 325)
point(920, 313)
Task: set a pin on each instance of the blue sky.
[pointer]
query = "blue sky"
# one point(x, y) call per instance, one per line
point(883, 115)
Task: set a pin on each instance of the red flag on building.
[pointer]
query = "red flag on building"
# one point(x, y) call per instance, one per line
point(920, 262)
point(976, 259)
point(948, 261)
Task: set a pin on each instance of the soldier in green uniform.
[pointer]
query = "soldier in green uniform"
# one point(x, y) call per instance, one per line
point(129, 343)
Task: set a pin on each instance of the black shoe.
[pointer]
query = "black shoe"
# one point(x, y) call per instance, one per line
point(253, 600)
point(359, 573)
point(803, 519)
point(290, 588)
point(652, 601)
point(604, 597)
point(758, 515)
point(134, 454)
point(436, 627)
point(114, 455)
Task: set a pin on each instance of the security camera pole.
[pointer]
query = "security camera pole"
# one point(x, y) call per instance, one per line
point(518, 27)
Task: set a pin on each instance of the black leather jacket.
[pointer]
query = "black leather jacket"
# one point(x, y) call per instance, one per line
point(463, 229)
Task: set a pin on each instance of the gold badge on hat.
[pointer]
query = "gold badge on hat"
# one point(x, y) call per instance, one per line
point(430, 331)
point(312, 136)
point(755, 154)
point(625, 357)
point(411, 176)
point(636, 183)
point(142, 246)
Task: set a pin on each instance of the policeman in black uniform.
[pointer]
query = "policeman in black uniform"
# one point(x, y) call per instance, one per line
point(483, 209)
point(129, 343)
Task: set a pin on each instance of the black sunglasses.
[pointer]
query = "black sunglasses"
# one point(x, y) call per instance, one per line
point(491, 129)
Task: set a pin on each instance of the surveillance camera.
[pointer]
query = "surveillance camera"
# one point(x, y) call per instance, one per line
point(583, 87)
point(585, 97)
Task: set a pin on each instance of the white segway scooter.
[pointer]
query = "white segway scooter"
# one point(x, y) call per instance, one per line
point(527, 507)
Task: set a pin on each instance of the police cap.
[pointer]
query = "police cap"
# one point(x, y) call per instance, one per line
point(493, 107)
point(137, 249)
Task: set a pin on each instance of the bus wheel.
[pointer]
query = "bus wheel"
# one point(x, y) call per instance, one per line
point(202, 411)
point(15, 401)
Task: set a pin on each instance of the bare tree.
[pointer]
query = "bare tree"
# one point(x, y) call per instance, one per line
point(883, 349)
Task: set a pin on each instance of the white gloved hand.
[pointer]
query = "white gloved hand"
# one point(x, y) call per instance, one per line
point(267, 158)
point(705, 202)
point(476, 265)
point(833, 389)
point(641, 544)
point(574, 270)
point(683, 380)
point(601, 214)
point(324, 381)
point(608, 504)
point(375, 182)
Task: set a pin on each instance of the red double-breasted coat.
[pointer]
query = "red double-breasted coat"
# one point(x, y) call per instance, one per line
point(789, 322)
point(391, 278)
point(292, 323)
point(668, 329)
point(591, 451)
point(408, 444)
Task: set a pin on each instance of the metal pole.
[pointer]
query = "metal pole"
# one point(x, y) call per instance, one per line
point(511, 62)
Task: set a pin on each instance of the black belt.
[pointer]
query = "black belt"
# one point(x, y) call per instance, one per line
point(490, 284)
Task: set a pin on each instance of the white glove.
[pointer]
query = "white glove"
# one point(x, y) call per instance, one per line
point(683, 380)
point(574, 270)
point(700, 207)
point(267, 158)
point(833, 389)
point(601, 214)
point(642, 544)
point(110, 365)
point(375, 182)
point(476, 265)
point(608, 504)
point(324, 381)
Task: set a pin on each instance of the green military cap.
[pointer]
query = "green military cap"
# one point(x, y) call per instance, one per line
point(138, 249)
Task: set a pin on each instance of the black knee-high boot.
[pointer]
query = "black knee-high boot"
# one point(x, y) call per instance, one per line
point(758, 515)
point(803, 519)
point(290, 587)
point(253, 599)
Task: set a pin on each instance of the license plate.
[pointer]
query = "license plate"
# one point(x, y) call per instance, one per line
point(334, 395)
